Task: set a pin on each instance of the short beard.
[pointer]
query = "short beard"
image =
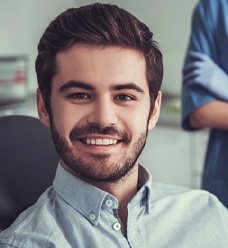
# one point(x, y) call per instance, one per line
point(85, 170)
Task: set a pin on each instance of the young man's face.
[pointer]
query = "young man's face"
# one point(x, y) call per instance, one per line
point(100, 108)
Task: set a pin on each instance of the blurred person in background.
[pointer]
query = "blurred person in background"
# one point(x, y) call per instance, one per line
point(205, 90)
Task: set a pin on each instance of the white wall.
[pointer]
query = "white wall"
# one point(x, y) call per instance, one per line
point(170, 21)
point(22, 22)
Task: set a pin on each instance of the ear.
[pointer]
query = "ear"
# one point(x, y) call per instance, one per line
point(42, 112)
point(156, 112)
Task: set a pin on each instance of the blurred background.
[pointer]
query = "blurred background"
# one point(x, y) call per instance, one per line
point(171, 154)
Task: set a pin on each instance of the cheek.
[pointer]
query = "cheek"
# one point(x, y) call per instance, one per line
point(63, 121)
point(136, 121)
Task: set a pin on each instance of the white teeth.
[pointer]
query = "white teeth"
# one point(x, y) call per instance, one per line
point(104, 142)
point(99, 142)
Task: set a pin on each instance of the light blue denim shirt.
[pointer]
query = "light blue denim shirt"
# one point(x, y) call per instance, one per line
point(72, 213)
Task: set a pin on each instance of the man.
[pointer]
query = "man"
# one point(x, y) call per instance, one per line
point(205, 90)
point(99, 75)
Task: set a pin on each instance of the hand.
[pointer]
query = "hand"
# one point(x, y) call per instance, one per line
point(204, 72)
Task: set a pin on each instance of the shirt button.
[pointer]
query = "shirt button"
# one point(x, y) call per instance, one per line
point(117, 226)
point(92, 216)
point(109, 203)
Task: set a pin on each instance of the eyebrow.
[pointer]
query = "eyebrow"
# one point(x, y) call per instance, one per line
point(130, 86)
point(114, 87)
point(75, 84)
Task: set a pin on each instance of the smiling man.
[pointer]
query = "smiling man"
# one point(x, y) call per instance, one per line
point(96, 100)
point(99, 73)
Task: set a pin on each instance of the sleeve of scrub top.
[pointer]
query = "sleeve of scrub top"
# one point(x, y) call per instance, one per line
point(204, 72)
point(201, 40)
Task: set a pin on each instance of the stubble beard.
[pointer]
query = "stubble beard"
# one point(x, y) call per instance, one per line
point(108, 172)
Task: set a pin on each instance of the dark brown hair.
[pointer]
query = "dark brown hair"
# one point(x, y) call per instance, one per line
point(101, 25)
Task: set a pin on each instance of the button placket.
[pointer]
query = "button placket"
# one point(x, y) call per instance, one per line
point(117, 226)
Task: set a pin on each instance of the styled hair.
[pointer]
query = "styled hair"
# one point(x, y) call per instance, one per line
point(100, 25)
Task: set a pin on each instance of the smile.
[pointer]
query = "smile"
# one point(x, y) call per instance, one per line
point(100, 142)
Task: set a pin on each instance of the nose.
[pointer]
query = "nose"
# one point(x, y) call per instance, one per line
point(103, 113)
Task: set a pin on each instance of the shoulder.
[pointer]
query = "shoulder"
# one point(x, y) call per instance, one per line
point(193, 201)
point(179, 191)
point(212, 8)
point(193, 214)
point(210, 5)
point(176, 194)
point(37, 222)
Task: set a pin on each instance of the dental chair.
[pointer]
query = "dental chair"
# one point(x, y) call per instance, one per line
point(28, 161)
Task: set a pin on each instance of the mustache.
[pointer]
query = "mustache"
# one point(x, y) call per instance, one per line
point(92, 129)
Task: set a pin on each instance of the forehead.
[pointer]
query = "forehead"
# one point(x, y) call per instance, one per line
point(101, 65)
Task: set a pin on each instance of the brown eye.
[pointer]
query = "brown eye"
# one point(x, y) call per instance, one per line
point(124, 98)
point(79, 96)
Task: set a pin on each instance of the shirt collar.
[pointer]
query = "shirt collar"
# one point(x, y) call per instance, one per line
point(82, 196)
point(144, 193)
point(88, 200)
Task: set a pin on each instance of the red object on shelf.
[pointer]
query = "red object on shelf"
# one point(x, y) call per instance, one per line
point(20, 77)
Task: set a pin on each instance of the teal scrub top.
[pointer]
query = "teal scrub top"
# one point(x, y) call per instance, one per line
point(209, 35)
